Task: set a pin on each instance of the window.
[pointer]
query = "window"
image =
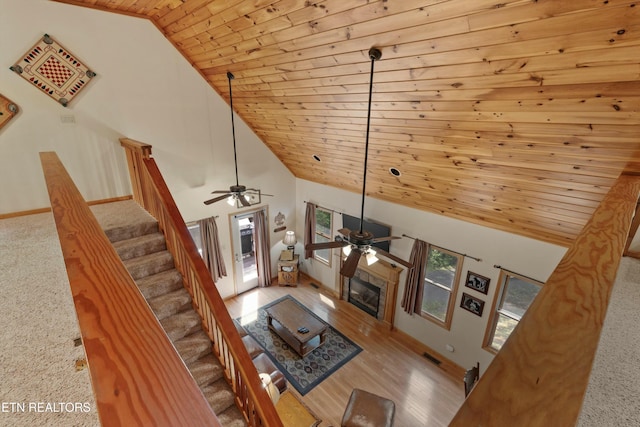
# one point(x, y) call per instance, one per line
point(194, 230)
point(512, 300)
point(323, 230)
point(440, 285)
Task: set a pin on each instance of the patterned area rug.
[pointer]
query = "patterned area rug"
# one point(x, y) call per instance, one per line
point(302, 373)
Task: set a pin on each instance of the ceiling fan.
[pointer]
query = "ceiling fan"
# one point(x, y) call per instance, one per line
point(236, 193)
point(357, 243)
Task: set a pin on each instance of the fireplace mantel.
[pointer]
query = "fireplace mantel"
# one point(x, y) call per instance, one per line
point(386, 272)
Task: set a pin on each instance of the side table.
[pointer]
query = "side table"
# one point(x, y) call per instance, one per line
point(288, 272)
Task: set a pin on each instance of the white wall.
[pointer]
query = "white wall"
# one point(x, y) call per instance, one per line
point(144, 90)
point(525, 256)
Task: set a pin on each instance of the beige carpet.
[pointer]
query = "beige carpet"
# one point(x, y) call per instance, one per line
point(613, 395)
point(39, 325)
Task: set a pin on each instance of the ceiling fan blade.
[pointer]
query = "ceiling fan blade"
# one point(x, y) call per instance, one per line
point(344, 231)
point(384, 239)
point(393, 257)
point(325, 245)
point(244, 201)
point(216, 199)
point(219, 191)
point(351, 263)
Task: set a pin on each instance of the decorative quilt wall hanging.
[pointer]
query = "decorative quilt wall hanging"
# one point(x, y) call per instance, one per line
point(54, 70)
point(8, 109)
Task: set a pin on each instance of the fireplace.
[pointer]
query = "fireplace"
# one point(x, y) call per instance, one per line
point(374, 287)
point(364, 295)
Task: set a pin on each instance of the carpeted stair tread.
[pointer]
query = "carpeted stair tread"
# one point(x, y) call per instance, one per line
point(206, 370)
point(169, 304)
point(130, 231)
point(193, 347)
point(139, 246)
point(147, 265)
point(160, 283)
point(232, 417)
point(181, 324)
point(219, 395)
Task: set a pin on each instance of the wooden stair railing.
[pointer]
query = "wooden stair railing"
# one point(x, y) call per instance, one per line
point(153, 194)
point(540, 376)
point(138, 378)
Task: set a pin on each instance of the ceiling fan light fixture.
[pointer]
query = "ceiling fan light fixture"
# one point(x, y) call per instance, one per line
point(371, 257)
point(346, 250)
point(231, 200)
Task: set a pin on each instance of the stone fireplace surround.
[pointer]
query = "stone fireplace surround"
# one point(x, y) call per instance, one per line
point(382, 275)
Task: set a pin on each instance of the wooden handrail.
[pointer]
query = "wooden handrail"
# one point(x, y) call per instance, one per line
point(138, 378)
point(156, 198)
point(540, 375)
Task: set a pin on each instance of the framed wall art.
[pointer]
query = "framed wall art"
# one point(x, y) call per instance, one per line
point(472, 304)
point(477, 282)
point(8, 109)
point(54, 70)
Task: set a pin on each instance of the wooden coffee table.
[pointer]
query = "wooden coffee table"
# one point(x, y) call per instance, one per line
point(289, 316)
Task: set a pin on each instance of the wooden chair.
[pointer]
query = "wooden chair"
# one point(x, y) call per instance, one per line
point(470, 378)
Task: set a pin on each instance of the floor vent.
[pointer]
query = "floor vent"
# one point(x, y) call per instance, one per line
point(431, 358)
point(314, 285)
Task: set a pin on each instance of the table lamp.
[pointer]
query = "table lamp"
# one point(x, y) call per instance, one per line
point(290, 239)
point(270, 387)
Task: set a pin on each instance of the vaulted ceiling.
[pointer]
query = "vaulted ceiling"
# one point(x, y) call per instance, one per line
point(517, 115)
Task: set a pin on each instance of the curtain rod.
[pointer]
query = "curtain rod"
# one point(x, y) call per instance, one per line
point(455, 252)
point(322, 207)
point(521, 275)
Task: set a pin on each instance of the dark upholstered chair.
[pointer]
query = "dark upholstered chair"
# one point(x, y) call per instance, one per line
point(366, 409)
point(265, 365)
point(470, 378)
point(261, 361)
point(252, 346)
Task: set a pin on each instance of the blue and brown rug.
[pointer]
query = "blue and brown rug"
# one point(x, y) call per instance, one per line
point(303, 373)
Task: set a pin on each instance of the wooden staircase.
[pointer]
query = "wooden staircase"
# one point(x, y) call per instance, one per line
point(142, 249)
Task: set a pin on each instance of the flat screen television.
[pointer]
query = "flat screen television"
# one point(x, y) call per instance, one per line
point(377, 229)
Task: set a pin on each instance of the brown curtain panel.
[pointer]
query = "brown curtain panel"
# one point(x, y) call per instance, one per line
point(309, 228)
point(415, 277)
point(211, 253)
point(263, 249)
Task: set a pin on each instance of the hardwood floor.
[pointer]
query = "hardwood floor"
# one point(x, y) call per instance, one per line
point(424, 394)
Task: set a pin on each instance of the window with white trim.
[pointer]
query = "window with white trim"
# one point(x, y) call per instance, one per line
point(323, 229)
point(512, 300)
point(442, 275)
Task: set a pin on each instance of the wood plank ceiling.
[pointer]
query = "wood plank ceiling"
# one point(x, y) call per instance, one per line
point(513, 114)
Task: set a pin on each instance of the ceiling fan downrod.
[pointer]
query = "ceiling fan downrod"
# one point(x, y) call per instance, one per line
point(374, 54)
point(230, 76)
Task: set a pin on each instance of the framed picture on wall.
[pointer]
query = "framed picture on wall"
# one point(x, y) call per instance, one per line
point(472, 304)
point(477, 282)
